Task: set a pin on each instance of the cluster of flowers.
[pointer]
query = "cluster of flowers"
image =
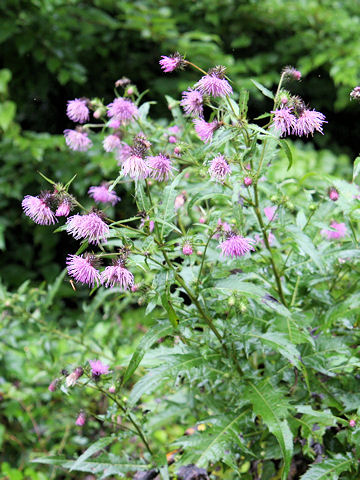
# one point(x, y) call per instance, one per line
point(97, 368)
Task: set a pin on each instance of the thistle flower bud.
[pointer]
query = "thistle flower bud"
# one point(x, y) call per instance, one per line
point(355, 94)
point(74, 377)
point(333, 194)
point(247, 181)
point(187, 249)
point(53, 385)
point(112, 389)
point(81, 419)
point(352, 423)
point(122, 82)
point(291, 73)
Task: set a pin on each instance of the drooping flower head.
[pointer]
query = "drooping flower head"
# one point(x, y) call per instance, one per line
point(284, 120)
point(77, 140)
point(122, 82)
point(123, 110)
point(53, 385)
point(192, 102)
point(270, 213)
point(102, 194)
point(111, 143)
point(214, 83)
point(117, 275)
point(64, 207)
point(38, 208)
point(122, 153)
point(291, 73)
point(98, 368)
point(77, 110)
point(339, 231)
point(333, 194)
point(355, 93)
point(160, 167)
point(219, 168)
point(205, 130)
point(83, 268)
point(308, 122)
point(171, 63)
point(81, 419)
point(91, 226)
point(74, 376)
point(236, 246)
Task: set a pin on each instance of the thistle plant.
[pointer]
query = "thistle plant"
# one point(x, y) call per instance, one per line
point(250, 272)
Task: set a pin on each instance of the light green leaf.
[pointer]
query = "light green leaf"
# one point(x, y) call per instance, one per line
point(263, 89)
point(95, 447)
point(7, 114)
point(329, 469)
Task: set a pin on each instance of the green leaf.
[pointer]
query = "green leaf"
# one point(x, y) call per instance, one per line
point(304, 244)
point(7, 114)
point(280, 343)
point(147, 341)
point(170, 310)
point(263, 89)
point(329, 469)
point(272, 407)
point(95, 447)
point(356, 168)
point(285, 146)
point(167, 208)
point(142, 200)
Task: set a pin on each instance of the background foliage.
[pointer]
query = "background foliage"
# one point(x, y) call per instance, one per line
point(56, 50)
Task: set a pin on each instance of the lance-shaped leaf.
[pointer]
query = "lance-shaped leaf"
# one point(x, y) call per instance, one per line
point(329, 469)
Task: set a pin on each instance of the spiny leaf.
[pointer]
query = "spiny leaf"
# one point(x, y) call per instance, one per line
point(329, 469)
point(265, 91)
point(95, 447)
point(167, 208)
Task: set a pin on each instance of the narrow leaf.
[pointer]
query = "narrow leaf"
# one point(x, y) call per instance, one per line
point(265, 91)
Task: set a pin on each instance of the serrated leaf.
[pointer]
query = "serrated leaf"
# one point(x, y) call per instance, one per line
point(95, 447)
point(147, 341)
point(305, 244)
point(272, 407)
point(280, 343)
point(329, 469)
point(167, 208)
point(265, 91)
point(142, 201)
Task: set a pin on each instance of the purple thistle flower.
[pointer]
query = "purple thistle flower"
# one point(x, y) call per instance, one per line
point(309, 122)
point(355, 93)
point(339, 231)
point(111, 143)
point(114, 123)
point(64, 208)
point(160, 167)
point(284, 121)
point(205, 130)
point(90, 226)
point(270, 213)
point(192, 102)
point(236, 246)
point(169, 64)
point(333, 194)
point(77, 141)
point(77, 110)
point(82, 269)
point(292, 73)
point(37, 208)
point(81, 419)
point(135, 167)
point(102, 194)
point(117, 275)
point(172, 139)
point(123, 153)
point(219, 168)
point(214, 84)
point(122, 109)
point(187, 249)
point(98, 368)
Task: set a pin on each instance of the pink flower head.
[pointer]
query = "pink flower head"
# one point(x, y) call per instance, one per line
point(284, 121)
point(179, 201)
point(98, 368)
point(123, 110)
point(248, 181)
point(53, 385)
point(236, 246)
point(309, 122)
point(135, 167)
point(192, 102)
point(81, 419)
point(187, 249)
point(292, 73)
point(205, 130)
point(38, 209)
point(112, 389)
point(77, 110)
point(117, 275)
point(202, 220)
point(270, 213)
point(219, 168)
point(111, 143)
point(339, 231)
point(102, 194)
point(82, 269)
point(90, 227)
point(177, 151)
point(169, 64)
point(77, 141)
point(64, 208)
point(355, 93)
point(172, 139)
point(333, 194)
point(160, 167)
point(123, 153)
point(114, 123)
point(352, 423)
point(175, 130)
point(214, 83)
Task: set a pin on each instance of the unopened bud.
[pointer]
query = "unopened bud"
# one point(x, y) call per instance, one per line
point(112, 389)
point(274, 198)
point(130, 91)
point(187, 249)
point(352, 423)
point(74, 376)
point(333, 194)
point(247, 181)
point(53, 385)
point(81, 419)
point(177, 150)
point(313, 207)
